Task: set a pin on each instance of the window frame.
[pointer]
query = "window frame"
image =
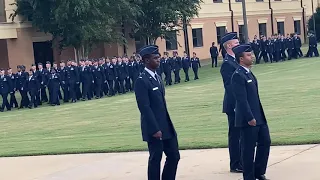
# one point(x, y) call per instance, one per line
point(219, 36)
point(197, 35)
point(172, 37)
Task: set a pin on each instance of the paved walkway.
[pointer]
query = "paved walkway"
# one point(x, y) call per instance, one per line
point(286, 163)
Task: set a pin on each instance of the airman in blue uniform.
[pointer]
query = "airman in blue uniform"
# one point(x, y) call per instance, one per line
point(250, 117)
point(186, 64)
point(13, 101)
point(5, 89)
point(228, 67)
point(156, 125)
point(195, 65)
point(176, 61)
point(297, 45)
point(312, 46)
point(21, 79)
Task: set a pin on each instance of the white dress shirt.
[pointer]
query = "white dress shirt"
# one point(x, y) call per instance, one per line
point(247, 69)
point(153, 74)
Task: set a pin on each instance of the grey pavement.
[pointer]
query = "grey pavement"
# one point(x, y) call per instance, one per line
point(285, 163)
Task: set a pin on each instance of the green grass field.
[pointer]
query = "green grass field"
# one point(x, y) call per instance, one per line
point(289, 93)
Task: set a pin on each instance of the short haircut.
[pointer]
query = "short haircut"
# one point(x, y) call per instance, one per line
point(146, 57)
point(238, 56)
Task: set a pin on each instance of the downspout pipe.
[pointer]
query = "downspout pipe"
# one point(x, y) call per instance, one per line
point(304, 21)
point(272, 17)
point(232, 16)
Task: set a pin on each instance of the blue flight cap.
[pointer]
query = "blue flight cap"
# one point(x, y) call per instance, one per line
point(150, 49)
point(229, 36)
point(241, 48)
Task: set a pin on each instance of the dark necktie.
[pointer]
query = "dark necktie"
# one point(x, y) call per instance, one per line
point(158, 79)
point(250, 74)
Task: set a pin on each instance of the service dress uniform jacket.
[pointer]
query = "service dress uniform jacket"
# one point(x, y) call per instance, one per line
point(150, 95)
point(248, 107)
point(228, 67)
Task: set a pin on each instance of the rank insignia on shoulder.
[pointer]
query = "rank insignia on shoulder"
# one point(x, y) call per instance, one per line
point(140, 77)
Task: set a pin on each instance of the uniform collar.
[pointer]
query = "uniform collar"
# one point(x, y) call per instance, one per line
point(247, 69)
point(153, 74)
point(231, 56)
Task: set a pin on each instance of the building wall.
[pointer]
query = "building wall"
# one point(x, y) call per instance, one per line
point(16, 38)
point(20, 50)
point(3, 54)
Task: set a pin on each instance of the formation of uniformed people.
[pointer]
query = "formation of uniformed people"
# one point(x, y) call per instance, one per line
point(88, 79)
point(175, 64)
point(280, 48)
point(247, 122)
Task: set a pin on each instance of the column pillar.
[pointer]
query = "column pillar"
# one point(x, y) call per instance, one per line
point(20, 50)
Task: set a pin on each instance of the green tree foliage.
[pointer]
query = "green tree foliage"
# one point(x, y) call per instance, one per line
point(79, 23)
point(83, 23)
point(316, 15)
point(162, 16)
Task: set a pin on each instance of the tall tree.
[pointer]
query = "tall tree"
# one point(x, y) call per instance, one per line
point(316, 15)
point(160, 17)
point(79, 23)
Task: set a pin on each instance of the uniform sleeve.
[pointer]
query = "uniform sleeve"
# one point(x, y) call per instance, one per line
point(142, 97)
point(226, 73)
point(240, 94)
point(10, 84)
point(77, 71)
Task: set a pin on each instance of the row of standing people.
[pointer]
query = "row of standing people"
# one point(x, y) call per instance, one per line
point(84, 81)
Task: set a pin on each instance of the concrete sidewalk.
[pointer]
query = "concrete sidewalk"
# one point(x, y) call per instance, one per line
point(286, 163)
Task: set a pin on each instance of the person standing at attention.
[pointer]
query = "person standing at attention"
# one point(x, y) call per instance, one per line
point(156, 125)
point(250, 117)
point(214, 55)
point(228, 67)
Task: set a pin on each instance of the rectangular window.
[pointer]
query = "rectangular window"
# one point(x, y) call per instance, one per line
point(241, 33)
point(217, 1)
point(259, 0)
point(297, 27)
point(220, 32)
point(197, 37)
point(263, 29)
point(238, 0)
point(280, 27)
point(171, 41)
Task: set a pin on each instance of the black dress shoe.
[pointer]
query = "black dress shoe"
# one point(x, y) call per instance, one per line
point(261, 177)
point(237, 170)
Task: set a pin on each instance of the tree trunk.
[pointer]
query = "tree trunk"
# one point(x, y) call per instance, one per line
point(153, 41)
point(82, 52)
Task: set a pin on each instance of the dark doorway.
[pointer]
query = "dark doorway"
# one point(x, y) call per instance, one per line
point(43, 52)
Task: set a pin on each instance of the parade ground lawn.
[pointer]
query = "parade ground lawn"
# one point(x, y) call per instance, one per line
point(289, 91)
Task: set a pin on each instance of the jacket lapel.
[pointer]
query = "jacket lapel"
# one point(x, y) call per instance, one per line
point(151, 79)
point(249, 75)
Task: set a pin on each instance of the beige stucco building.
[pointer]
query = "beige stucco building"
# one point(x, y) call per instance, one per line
point(22, 44)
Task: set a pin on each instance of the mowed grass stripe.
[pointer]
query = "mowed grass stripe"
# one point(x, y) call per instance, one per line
point(289, 92)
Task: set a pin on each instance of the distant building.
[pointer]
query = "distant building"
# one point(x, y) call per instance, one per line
point(22, 44)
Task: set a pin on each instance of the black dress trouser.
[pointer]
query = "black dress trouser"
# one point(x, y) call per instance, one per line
point(171, 149)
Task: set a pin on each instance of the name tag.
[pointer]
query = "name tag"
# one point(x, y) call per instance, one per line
point(156, 88)
point(249, 81)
